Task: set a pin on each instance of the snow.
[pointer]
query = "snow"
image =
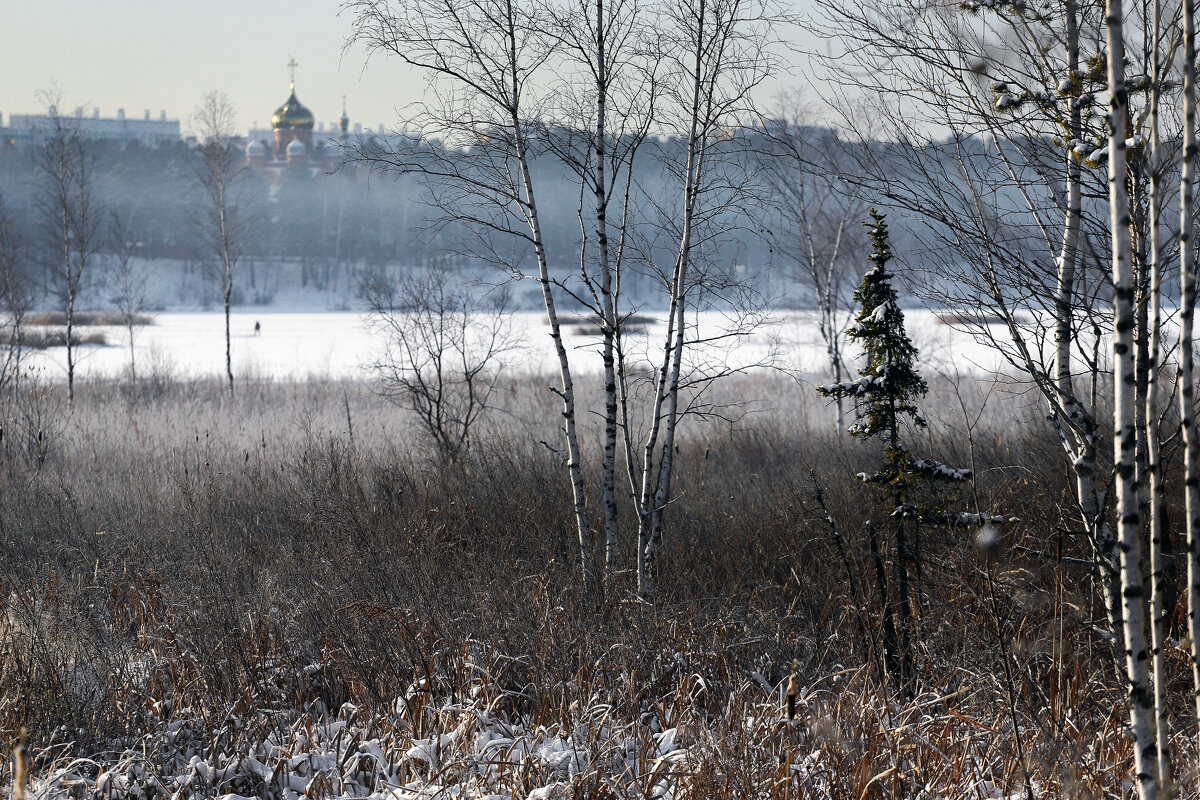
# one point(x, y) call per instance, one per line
point(300, 345)
point(941, 470)
point(585, 753)
point(428, 750)
point(1006, 101)
point(1082, 101)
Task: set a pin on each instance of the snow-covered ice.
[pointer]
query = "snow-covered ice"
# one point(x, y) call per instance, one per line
point(296, 346)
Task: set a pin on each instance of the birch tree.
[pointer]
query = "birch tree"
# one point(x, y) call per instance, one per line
point(1125, 430)
point(484, 59)
point(1148, 356)
point(608, 101)
point(127, 283)
point(70, 221)
point(1186, 363)
point(584, 83)
point(721, 50)
point(221, 175)
point(16, 297)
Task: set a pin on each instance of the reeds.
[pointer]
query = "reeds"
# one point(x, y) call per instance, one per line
point(208, 595)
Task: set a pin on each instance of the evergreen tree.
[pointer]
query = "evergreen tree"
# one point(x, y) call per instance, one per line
point(885, 396)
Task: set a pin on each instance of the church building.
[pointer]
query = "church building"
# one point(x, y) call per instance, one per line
point(292, 146)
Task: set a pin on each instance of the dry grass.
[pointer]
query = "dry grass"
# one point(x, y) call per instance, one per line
point(37, 339)
point(84, 318)
point(209, 595)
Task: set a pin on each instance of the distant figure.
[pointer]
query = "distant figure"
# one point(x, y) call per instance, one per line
point(257, 327)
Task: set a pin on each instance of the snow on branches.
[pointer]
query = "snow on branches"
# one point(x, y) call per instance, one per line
point(887, 390)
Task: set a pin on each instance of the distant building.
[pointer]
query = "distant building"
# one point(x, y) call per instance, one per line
point(290, 144)
point(26, 129)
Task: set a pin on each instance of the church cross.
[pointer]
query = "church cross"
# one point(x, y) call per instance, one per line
point(292, 66)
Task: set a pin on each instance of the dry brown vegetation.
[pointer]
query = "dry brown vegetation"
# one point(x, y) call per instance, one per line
point(40, 339)
point(86, 318)
point(206, 594)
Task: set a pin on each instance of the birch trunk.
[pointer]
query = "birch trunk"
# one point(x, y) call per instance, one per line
point(1146, 373)
point(567, 392)
point(1125, 431)
point(70, 314)
point(220, 174)
point(1064, 294)
point(228, 281)
point(1079, 426)
point(225, 242)
point(609, 322)
point(1187, 286)
point(656, 483)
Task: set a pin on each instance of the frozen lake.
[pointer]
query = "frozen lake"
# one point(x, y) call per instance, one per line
point(296, 346)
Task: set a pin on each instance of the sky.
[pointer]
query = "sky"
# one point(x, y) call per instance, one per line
point(164, 55)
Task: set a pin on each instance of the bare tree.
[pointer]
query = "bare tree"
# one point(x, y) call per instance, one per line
point(605, 112)
point(16, 297)
point(1149, 354)
point(127, 282)
point(221, 174)
point(719, 52)
point(819, 214)
point(484, 58)
point(1125, 428)
point(70, 217)
point(1186, 365)
point(514, 82)
point(445, 349)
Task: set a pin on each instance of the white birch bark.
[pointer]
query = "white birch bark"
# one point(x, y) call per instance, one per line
point(1078, 425)
point(656, 483)
point(1154, 489)
point(567, 392)
point(1187, 286)
point(609, 322)
point(1125, 430)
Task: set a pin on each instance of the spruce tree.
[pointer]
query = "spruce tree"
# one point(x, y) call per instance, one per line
point(885, 395)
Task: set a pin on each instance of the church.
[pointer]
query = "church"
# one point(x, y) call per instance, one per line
point(291, 145)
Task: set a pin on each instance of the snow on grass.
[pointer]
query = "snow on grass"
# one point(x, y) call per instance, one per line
point(488, 754)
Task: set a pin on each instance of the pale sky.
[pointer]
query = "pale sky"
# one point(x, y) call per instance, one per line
point(163, 55)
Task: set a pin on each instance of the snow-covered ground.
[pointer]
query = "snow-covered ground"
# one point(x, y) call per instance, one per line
point(339, 345)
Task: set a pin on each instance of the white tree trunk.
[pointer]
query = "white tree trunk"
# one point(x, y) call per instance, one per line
point(567, 392)
point(656, 483)
point(609, 322)
point(1154, 489)
point(1187, 285)
point(1125, 429)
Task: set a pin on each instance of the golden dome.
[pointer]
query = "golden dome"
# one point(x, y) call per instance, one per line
point(292, 115)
